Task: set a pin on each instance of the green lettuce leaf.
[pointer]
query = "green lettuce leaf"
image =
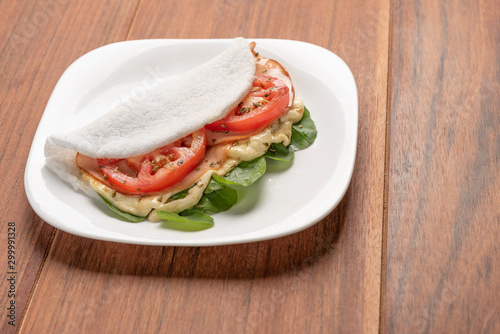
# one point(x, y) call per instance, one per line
point(303, 133)
point(187, 220)
point(182, 194)
point(217, 197)
point(280, 152)
point(124, 215)
point(245, 173)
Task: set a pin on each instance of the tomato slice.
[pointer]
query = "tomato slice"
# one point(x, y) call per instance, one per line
point(267, 100)
point(272, 68)
point(156, 170)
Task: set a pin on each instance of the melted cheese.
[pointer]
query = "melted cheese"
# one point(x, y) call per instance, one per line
point(215, 162)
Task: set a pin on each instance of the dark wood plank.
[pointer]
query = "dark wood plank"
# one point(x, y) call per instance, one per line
point(323, 279)
point(443, 271)
point(39, 40)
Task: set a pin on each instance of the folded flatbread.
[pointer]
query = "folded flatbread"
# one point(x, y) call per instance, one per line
point(174, 109)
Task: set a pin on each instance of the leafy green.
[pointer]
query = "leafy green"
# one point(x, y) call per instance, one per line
point(187, 220)
point(245, 173)
point(280, 152)
point(303, 133)
point(181, 194)
point(217, 197)
point(124, 215)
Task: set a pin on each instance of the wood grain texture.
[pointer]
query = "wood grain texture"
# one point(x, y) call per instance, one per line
point(39, 40)
point(443, 272)
point(324, 279)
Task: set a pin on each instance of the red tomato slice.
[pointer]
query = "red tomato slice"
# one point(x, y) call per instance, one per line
point(269, 67)
point(267, 100)
point(156, 170)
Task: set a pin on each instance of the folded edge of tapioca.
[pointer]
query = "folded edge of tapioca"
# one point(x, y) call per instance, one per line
point(173, 109)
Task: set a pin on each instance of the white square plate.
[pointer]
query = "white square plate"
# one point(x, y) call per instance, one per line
point(283, 201)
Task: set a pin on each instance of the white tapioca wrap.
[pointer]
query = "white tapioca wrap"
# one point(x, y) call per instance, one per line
point(175, 108)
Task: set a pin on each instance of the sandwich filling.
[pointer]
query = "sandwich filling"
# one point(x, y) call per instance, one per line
point(219, 160)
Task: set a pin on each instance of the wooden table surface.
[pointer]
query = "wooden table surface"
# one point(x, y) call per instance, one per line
point(413, 247)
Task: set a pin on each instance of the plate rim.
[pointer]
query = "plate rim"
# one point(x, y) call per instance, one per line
point(253, 236)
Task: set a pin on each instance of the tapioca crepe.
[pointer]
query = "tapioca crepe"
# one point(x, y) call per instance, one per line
point(172, 110)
